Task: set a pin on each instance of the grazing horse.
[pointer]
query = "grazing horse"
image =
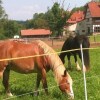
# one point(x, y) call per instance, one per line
point(74, 43)
point(39, 64)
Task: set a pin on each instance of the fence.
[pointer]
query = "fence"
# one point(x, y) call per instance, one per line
point(57, 43)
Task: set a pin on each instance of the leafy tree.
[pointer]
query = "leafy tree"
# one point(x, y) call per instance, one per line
point(96, 0)
point(29, 23)
point(56, 18)
point(38, 21)
point(8, 28)
point(11, 28)
point(82, 8)
point(2, 11)
point(3, 18)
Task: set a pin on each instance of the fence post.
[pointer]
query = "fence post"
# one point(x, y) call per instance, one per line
point(83, 72)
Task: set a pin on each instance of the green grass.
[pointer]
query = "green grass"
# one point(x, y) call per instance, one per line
point(22, 84)
point(95, 38)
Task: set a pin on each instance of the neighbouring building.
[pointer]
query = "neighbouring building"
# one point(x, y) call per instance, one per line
point(87, 22)
point(35, 33)
point(76, 23)
point(92, 17)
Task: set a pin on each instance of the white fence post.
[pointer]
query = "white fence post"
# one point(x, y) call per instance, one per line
point(83, 72)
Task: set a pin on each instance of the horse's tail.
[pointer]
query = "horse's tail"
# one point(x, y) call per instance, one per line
point(86, 59)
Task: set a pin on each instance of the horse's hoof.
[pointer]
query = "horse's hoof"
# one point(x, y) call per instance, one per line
point(79, 69)
point(9, 94)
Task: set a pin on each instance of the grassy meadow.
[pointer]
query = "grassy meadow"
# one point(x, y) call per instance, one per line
point(94, 38)
point(23, 85)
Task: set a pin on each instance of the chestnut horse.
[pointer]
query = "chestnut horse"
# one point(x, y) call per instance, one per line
point(74, 43)
point(39, 64)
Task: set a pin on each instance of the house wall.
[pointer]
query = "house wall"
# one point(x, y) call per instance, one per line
point(81, 27)
point(92, 24)
point(88, 19)
point(69, 29)
point(72, 27)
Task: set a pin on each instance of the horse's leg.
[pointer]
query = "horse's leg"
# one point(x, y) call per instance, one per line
point(40, 77)
point(6, 81)
point(77, 64)
point(69, 63)
point(37, 84)
point(44, 81)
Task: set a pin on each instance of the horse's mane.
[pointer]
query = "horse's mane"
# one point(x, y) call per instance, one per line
point(56, 64)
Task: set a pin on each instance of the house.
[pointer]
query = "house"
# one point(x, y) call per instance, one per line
point(92, 17)
point(35, 33)
point(76, 22)
point(87, 22)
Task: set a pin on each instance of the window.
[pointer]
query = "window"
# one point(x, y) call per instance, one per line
point(83, 30)
point(97, 29)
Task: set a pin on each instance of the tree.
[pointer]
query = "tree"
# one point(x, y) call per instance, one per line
point(3, 18)
point(11, 28)
point(82, 8)
point(2, 11)
point(56, 18)
point(96, 0)
point(38, 21)
point(8, 28)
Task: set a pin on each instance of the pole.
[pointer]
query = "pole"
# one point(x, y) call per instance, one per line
point(83, 72)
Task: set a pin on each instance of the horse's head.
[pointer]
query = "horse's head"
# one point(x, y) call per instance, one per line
point(84, 40)
point(65, 85)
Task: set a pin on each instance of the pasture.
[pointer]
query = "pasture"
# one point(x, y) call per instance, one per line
point(23, 85)
point(95, 38)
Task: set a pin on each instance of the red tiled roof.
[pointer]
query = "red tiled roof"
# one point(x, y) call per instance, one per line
point(94, 8)
point(76, 17)
point(35, 32)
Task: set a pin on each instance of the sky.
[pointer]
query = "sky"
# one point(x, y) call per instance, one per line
point(25, 9)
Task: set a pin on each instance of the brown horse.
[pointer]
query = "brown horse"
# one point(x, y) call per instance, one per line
point(39, 64)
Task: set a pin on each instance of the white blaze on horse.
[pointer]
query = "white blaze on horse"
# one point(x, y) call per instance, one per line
point(39, 64)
